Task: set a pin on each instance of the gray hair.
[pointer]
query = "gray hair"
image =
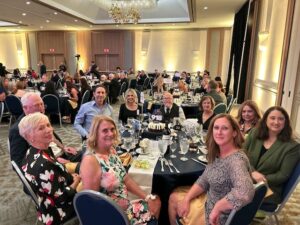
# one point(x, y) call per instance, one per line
point(29, 123)
point(26, 97)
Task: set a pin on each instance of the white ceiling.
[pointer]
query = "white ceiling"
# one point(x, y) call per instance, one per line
point(86, 15)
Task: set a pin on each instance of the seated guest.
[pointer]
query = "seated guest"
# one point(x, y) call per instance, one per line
point(206, 114)
point(182, 86)
point(50, 89)
point(169, 109)
point(158, 84)
point(19, 89)
point(31, 103)
point(73, 104)
point(4, 84)
point(2, 95)
point(123, 79)
point(226, 178)
point(212, 91)
point(114, 88)
point(54, 186)
point(141, 78)
point(87, 111)
point(129, 109)
point(55, 76)
point(248, 116)
point(85, 87)
point(102, 170)
point(41, 85)
point(221, 91)
point(272, 152)
point(203, 86)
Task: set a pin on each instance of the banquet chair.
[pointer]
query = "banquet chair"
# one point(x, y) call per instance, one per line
point(245, 215)
point(86, 97)
point(3, 113)
point(220, 108)
point(91, 206)
point(52, 106)
point(14, 106)
point(288, 189)
point(231, 104)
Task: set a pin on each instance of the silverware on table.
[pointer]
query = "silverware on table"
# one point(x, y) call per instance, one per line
point(168, 165)
point(162, 165)
point(171, 164)
point(198, 161)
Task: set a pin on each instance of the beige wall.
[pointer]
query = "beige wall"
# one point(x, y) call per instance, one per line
point(14, 52)
point(189, 50)
point(269, 52)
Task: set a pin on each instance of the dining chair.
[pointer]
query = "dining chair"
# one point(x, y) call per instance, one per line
point(3, 112)
point(231, 104)
point(86, 97)
point(288, 190)
point(52, 106)
point(245, 215)
point(91, 206)
point(14, 106)
point(220, 108)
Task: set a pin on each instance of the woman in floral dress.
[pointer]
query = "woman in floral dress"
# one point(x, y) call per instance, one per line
point(111, 177)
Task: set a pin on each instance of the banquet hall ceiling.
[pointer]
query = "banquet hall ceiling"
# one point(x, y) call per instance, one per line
point(87, 15)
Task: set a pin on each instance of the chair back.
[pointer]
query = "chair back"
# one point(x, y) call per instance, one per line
point(146, 83)
point(231, 104)
point(290, 185)
point(59, 84)
point(14, 105)
point(229, 99)
point(123, 88)
point(91, 206)
point(246, 214)
point(3, 112)
point(220, 108)
point(52, 105)
point(86, 97)
point(25, 183)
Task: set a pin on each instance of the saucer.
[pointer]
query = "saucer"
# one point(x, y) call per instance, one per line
point(140, 151)
point(202, 158)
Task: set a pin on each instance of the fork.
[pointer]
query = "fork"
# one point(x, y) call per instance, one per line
point(162, 165)
point(171, 164)
point(168, 165)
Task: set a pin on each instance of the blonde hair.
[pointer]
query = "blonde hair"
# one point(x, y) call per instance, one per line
point(92, 140)
point(134, 94)
point(212, 146)
point(29, 123)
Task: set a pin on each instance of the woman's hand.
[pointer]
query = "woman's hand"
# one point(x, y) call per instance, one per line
point(214, 216)
point(62, 160)
point(76, 180)
point(183, 208)
point(258, 177)
point(70, 150)
point(154, 206)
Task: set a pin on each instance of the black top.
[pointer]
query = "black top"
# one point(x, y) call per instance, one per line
point(126, 113)
point(207, 122)
point(167, 116)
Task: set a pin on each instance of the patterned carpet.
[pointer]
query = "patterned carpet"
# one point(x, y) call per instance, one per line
point(17, 209)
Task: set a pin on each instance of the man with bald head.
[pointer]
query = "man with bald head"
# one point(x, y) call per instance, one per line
point(31, 103)
point(169, 109)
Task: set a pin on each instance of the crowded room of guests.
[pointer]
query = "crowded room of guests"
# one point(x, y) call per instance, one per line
point(169, 112)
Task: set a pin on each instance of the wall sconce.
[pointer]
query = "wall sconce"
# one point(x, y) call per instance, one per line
point(263, 37)
point(143, 53)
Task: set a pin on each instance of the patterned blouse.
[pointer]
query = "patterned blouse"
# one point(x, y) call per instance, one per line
point(230, 178)
point(50, 181)
point(112, 184)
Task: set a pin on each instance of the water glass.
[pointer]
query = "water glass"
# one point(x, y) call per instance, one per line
point(184, 146)
point(173, 148)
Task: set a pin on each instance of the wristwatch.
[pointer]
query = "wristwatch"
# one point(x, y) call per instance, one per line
point(150, 197)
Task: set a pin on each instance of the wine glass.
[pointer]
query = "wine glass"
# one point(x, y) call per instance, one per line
point(127, 143)
point(184, 146)
point(173, 148)
point(162, 146)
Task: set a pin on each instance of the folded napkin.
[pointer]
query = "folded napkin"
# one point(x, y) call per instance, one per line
point(126, 158)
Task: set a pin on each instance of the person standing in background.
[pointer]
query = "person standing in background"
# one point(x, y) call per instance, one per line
point(43, 68)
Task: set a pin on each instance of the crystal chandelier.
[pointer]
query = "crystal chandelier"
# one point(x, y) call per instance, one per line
point(125, 11)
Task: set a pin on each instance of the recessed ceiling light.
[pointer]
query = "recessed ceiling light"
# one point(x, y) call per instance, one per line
point(91, 25)
point(205, 7)
point(23, 14)
point(28, 2)
point(41, 27)
point(20, 21)
point(76, 20)
point(117, 25)
point(55, 13)
point(47, 21)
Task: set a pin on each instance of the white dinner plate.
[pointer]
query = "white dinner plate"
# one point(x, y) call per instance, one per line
point(202, 158)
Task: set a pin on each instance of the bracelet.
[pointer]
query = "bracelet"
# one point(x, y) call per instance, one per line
point(150, 197)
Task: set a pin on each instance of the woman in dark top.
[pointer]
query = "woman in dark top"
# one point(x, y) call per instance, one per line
point(130, 108)
point(85, 87)
point(272, 152)
point(206, 114)
point(50, 89)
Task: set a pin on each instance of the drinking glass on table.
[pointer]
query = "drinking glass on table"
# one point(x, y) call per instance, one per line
point(184, 146)
point(162, 146)
point(173, 148)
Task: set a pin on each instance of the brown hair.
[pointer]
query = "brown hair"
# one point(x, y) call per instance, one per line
point(212, 146)
point(205, 97)
point(93, 134)
point(253, 106)
point(263, 130)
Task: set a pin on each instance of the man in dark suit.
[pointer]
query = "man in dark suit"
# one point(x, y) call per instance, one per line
point(32, 103)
